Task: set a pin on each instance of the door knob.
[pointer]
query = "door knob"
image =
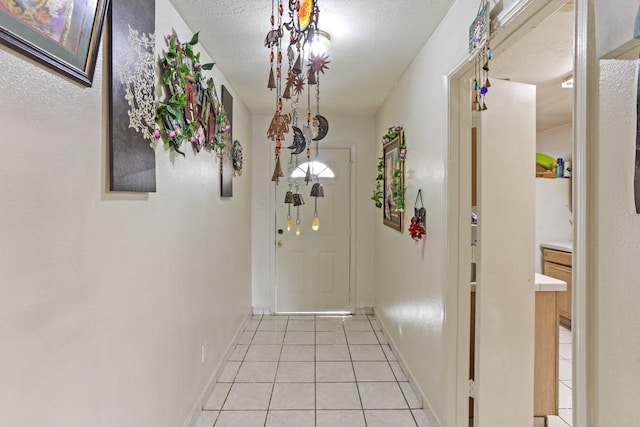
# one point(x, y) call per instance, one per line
point(280, 243)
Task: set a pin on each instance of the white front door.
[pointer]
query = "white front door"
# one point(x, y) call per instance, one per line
point(505, 265)
point(313, 268)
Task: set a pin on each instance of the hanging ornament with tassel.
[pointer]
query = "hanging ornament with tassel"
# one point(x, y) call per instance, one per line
point(271, 41)
point(280, 122)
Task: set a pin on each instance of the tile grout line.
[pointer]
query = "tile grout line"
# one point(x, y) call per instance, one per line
point(353, 368)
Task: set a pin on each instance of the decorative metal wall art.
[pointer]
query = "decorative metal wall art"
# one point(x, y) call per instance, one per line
point(418, 226)
point(636, 182)
point(132, 161)
point(237, 156)
point(226, 163)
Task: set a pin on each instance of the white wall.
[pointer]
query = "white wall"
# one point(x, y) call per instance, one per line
point(614, 26)
point(554, 220)
point(106, 298)
point(411, 283)
point(556, 142)
point(614, 289)
point(349, 132)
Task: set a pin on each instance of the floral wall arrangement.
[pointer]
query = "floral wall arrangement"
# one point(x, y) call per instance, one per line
point(192, 111)
point(389, 191)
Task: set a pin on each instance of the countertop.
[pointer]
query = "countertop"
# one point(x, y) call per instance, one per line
point(558, 246)
point(542, 284)
point(549, 284)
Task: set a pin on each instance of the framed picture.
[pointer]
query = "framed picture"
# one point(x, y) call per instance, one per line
point(393, 182)
point(63, 35)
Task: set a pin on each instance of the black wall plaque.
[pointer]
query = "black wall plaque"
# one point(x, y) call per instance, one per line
point(132, 161)
point(226, 165)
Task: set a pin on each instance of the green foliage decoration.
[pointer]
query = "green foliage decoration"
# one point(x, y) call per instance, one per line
point(377, 195)
point(180, 63)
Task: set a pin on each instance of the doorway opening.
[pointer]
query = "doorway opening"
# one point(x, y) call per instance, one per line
point(539, 52)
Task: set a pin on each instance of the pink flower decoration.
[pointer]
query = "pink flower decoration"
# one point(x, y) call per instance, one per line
point(219, 155)
point(196, 66)
point(403, 153)
point(172, 133)
point(225, 128)
point(157, 134)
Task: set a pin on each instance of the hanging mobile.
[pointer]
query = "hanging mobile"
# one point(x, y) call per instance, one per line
point(418, 227)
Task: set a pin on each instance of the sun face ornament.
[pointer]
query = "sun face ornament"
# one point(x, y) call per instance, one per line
point(318, 63)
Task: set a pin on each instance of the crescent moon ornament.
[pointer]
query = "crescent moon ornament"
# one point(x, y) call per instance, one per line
point(323, 127)
point(299, 141)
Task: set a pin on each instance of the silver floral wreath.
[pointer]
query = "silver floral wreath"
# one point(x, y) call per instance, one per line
point(237, 157)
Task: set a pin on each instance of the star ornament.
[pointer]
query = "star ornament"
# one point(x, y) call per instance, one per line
point(298, 85)
point(319, 63)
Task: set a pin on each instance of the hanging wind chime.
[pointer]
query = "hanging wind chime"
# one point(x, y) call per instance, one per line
point(302, 72)
point(481, 52)
point(481, 83)
point(320, 128)
point(280, 122)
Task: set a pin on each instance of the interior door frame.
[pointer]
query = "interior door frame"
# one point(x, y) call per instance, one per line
point(512, 23)
point(352, 231)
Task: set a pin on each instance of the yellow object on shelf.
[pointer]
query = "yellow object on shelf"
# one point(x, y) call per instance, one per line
point(546, 161)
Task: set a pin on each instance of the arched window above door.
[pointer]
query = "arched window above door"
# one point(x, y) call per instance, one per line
point(318, 169)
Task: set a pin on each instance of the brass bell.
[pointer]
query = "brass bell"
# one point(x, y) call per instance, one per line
point(308, 177)
point(287, 92)
point(272, 80)
point(288, 198)
point(297, 67)
point(277, 172)
point(311, 77)
point(297, 199)
point(317, 190)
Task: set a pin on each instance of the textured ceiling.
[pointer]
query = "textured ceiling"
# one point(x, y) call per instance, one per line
point(373, 43)
point(543, 57)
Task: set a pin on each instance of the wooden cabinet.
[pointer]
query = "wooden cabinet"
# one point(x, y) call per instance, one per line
point(558, 264)
point(545, 381)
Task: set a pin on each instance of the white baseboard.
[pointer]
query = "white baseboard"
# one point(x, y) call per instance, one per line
point(266, 311)
point(364, 310)
point(262, 311)
point(194, 414)
point(426, 406)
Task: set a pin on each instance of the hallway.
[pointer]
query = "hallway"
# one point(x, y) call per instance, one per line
point(302, 371)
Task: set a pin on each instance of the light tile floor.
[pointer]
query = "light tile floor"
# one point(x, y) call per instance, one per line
point(313, 371)
point(565, 406)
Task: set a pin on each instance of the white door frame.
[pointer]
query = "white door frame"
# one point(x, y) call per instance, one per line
point(579, 182)
point(511, 24)
point(352, 231)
